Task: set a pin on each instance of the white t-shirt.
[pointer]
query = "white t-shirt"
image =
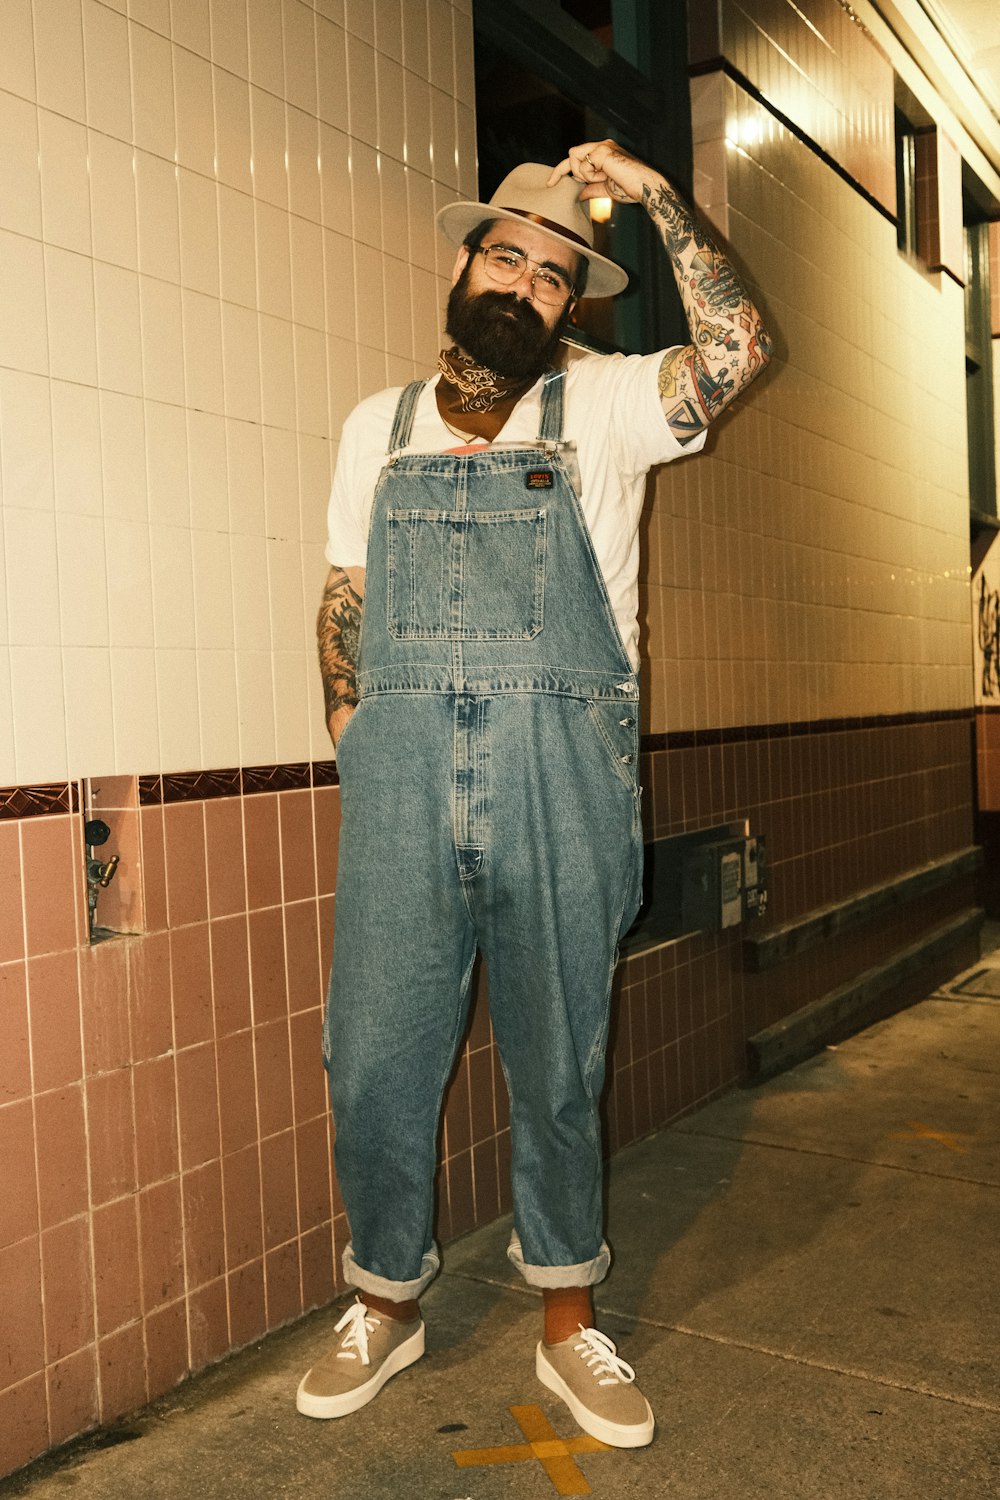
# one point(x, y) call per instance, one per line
point(612, 412)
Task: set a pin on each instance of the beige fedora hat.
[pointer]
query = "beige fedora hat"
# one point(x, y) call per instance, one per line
point(523, 194)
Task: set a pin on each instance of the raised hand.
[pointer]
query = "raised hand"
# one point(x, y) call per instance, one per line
point(607, 171)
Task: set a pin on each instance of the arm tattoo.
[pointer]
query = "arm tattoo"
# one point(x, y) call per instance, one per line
point(338, 629)
point(729, 345)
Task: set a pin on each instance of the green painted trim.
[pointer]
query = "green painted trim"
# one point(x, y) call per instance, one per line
point(850, 1007)
point(827, 922)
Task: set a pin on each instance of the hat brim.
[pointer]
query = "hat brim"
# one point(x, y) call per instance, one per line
point(456, 220)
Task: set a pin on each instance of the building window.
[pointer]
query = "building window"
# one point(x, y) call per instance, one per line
point(596, 15)
point(906, 184)
point(551, 74)
point(979, 369)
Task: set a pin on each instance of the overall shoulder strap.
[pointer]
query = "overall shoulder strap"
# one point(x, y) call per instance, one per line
point(550, 425)
point(402, 423)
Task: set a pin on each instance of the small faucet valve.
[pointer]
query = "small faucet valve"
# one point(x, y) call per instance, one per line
point(100, 872)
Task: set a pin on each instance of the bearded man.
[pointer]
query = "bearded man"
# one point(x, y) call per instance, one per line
point(479, 647)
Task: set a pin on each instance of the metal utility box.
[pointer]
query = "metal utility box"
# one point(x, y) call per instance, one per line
point(700, 881)
point(754, 878)
point(712, 892)
point(724, 883)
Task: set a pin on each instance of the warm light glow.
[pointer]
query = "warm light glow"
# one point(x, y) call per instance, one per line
point(600, 210)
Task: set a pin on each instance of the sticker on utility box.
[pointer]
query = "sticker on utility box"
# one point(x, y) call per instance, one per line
point(731, 883)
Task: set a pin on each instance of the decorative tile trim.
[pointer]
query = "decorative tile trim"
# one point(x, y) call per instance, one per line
point(39, 801)
point(198, 786)
point(235, 781)
point(691, 739)
point(276, 778)
point(195, 786)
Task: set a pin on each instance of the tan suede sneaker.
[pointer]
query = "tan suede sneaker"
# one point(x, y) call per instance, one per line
point(371, 1351)
point(598, 1387)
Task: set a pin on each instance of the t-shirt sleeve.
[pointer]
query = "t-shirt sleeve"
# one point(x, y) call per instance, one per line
point(346, 543)
point(359, 462)
point(638, 426)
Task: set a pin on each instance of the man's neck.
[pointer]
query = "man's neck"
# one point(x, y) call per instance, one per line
point(474, 400)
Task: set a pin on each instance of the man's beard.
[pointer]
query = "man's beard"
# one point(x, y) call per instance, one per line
point(501, 331)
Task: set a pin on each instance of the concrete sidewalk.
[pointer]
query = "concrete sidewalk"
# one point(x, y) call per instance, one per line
point(806, 1280)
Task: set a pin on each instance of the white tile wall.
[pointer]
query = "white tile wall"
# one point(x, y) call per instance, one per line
point(62, 158)
point(255, 700)
point(206, 433)
point(20, 208)
point(196, 201)
point(218, 219)
point(23, 334)
point(819, 550)
point(178, 712)
point(26, 449)
point(17, 57)
point(90, 732)
point(37, 712)
point(130, 588)
point(58, 35)
point(218, 707)
point(6, 709)
point(122, 455)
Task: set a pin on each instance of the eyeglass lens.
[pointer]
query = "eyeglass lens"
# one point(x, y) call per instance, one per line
point(507, 266)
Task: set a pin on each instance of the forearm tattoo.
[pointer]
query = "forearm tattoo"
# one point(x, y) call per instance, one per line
point(338, 629)
point(729, 345)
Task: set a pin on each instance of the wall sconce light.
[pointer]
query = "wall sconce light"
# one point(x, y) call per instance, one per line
point(600, 210)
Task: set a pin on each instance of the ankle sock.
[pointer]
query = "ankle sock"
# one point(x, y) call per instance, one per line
point(566, 1308)
point(403, 1312)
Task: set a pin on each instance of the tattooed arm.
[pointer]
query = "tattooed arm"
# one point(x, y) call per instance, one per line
point(729, 344)
point(338, 627)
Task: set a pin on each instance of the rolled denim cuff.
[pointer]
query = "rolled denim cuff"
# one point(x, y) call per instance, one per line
point(396, 1291)
point(586, 1273)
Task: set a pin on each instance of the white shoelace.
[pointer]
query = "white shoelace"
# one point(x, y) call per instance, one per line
point(601, 1357)
point(360, 1323)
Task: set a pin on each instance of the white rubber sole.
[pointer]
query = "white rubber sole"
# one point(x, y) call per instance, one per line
point(325, 1407)
point(615, 1434)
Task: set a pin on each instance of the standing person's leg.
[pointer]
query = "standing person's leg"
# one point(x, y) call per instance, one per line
point(561, 885)
point(403, 952)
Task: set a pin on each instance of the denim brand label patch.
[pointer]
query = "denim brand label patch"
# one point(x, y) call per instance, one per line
point(539, 479)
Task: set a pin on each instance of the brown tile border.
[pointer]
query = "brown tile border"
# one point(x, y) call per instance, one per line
point(39, 801)
point(201, 786)
point(285, 778)
point(691, 739)
point(198, 786)
point(156, 789)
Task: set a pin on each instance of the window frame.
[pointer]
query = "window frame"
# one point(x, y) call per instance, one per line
point(641, 89)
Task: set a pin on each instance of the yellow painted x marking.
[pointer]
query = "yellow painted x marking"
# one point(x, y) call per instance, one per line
point(544, 1444)
point(917, 1131)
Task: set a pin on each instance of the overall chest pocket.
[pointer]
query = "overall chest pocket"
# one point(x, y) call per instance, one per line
point(466, 575)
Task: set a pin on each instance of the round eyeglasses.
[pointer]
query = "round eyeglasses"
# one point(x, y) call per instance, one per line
point(505, 266)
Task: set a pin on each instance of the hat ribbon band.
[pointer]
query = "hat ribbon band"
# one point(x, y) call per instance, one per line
point(567, 234)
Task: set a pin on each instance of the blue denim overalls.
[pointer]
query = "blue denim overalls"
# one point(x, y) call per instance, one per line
point(489, 798)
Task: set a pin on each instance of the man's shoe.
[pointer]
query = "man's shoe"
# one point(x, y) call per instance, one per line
point(598, 1387)
point(371, 1350)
